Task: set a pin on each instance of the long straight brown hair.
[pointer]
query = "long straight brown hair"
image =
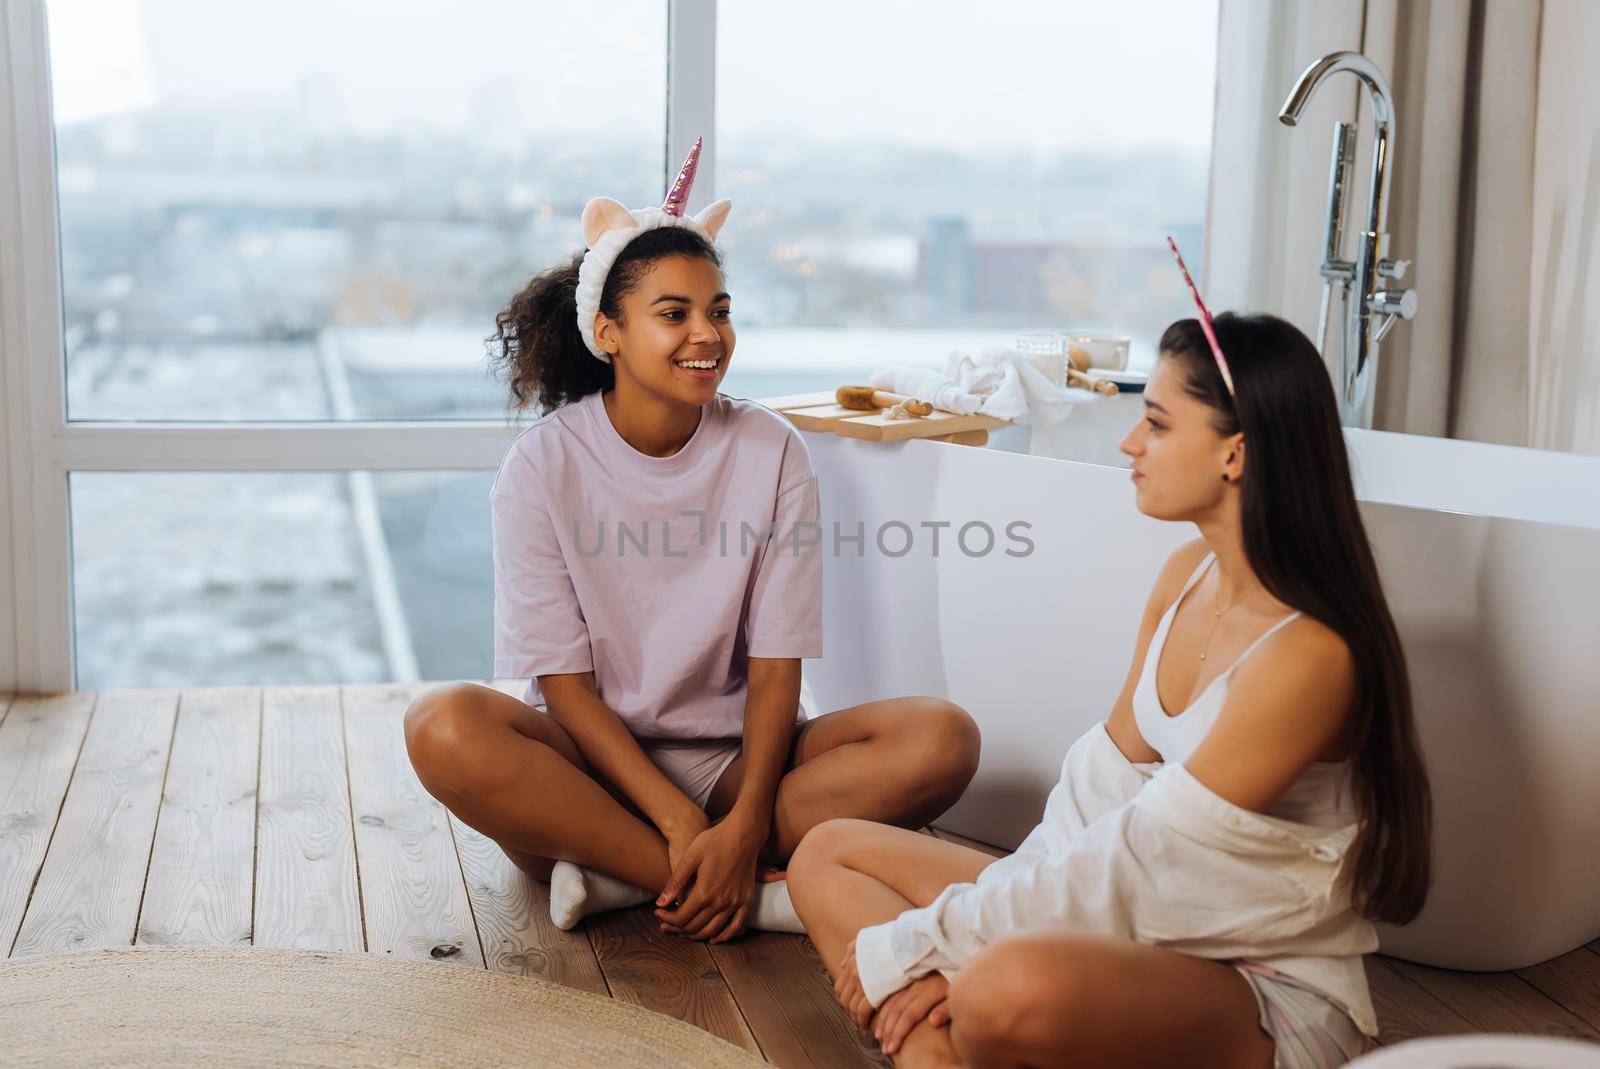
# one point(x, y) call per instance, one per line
point(1305, 541)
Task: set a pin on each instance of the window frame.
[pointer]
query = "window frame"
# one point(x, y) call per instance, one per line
point(42, 448)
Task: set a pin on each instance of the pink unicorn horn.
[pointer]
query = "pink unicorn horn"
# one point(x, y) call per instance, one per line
point(679, 194)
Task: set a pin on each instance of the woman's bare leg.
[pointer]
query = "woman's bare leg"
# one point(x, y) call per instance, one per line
point(1059, 999)
point(850, 874)
point(515, 775)
point(899, 761)
point(1072, 999)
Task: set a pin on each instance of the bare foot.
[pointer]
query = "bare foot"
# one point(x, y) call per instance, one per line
point(927, 1047)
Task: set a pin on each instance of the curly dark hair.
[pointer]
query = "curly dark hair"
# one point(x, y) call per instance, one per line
point(541, 354)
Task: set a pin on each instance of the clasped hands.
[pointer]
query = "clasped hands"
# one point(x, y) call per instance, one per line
point(716, 864)
point(925, 998)
point(713, 884)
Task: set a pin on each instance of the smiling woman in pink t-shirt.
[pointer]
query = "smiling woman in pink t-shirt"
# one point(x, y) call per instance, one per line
point(658, 578)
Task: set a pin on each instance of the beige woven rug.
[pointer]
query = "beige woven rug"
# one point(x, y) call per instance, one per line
point(254, 1006)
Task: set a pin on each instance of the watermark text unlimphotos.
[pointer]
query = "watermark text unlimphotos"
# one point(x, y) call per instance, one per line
point(891, 538)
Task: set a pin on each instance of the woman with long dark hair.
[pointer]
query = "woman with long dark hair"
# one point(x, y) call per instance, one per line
point(1202, 886)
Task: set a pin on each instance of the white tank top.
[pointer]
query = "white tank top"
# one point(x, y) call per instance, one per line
point(1317, 797)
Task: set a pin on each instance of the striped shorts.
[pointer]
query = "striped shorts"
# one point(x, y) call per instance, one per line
point(1308, 1030)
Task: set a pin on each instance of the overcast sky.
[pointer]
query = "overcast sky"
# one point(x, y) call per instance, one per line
point(1059, 75)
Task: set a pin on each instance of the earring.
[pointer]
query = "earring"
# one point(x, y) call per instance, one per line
point(1224, 476)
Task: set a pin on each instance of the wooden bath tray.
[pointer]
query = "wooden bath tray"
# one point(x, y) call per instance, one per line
point(819, 412)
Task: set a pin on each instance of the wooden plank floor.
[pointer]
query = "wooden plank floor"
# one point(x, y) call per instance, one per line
point(290, 816)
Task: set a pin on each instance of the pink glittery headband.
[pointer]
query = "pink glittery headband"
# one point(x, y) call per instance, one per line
point(1205, 319)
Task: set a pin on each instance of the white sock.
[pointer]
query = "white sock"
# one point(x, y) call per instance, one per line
point(774, 911)
point(576, 892)
point(808, 701)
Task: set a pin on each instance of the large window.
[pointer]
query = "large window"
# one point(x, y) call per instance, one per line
point(911, 178)
point(252, 193)
point(283, 232)
point(280, 577)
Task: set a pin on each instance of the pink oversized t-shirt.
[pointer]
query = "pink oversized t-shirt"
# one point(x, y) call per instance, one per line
point(660, 574)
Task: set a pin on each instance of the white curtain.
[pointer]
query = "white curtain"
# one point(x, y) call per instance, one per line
point(1268, 181)
point(1493, 198)
point(1564, 395)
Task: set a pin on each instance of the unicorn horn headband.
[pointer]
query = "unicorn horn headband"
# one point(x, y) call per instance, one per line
point(608, 227)
point(1205, 319)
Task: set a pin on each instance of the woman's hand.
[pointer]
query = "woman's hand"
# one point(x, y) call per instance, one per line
point(847, 988)
point(718, 872)
point(681, 832)
point(924, 998)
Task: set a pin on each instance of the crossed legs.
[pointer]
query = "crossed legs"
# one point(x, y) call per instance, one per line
point(515, 775)
point(849, 875)
point(1048, 999)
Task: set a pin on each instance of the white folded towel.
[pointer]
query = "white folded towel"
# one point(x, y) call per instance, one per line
point(998, 382)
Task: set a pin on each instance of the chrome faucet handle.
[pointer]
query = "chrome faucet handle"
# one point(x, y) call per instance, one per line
point(1393, 269)
point(1402, 303)
point(1392, 305)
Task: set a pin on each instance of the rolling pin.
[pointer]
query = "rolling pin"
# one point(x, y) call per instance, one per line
point(868, 398)
point(1078, 378)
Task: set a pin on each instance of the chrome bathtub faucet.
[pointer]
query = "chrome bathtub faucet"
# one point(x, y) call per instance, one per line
point(1366, 320)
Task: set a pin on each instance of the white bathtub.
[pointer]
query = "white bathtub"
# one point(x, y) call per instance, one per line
point(1491, 559)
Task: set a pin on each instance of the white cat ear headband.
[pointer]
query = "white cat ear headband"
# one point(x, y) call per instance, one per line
point(608, 227)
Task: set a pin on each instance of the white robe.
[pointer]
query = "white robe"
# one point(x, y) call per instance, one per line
point(1148, 852)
